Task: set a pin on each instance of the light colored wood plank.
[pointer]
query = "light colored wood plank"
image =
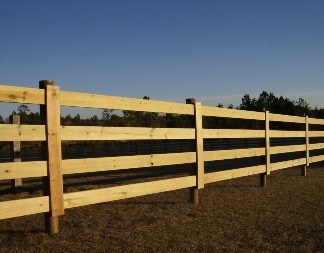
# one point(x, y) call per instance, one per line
point(232, 133)
point(286, 134)
point(288, 164)
point(231, 113)
point(124, 133)
point(22, 132)
point(286, 118)
point(73, 166)
point(315, 159)
point(15, 94)
point(122, 103)
point(230, 174)
point(307, 141)
point(314, 121)
point(54, 166)
point(233, 154)
point(287, 149)
point(37, 133)
point(267, 141)
point(90, 197)
point(13, 170)
point(316, 133)
point(316, 146)
point(199, 146)
point(21, 207)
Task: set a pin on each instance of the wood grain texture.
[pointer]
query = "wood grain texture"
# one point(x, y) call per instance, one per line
point(315, 159)
point(286, 118)
point(314, 121)
point(286, 134)
point(288, 164)
point(54, 166)
point(125, 133)
point(89, 197)
point(122, 103)
point(21, 207)
point(235, 173)
point(15, 94)
point(233, 154)
point(316, 133)
point(232, 133)
point(231, 113)
point(73, 166)
point(199, 146)
point(287, 149)
point(13, 170)
point(22, 132)
point(316, 146)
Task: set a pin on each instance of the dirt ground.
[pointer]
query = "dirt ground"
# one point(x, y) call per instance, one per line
point(232, 216)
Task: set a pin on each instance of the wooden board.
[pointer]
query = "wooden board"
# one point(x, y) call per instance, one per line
point(13, 170)
point(90, 197)
point(288, 164)
point(232, 133)
point(316, 146)
point(233, 154)
point(235, 173)
point(231, 113)
point(315, 159)
point(22, 132)
point(199, 146)
point(316, 121)
point(15, 94)
point(316, 133)
point(37, 133)
point(73, 166)
point(124, 133)
point(287, 149)
point(286, 134)
point(286, 118)
point(21, 207)
point(54, 166)
point(123, 103)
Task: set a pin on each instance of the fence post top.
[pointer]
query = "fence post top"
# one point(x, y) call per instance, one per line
point(190, 100)
point(44, 83)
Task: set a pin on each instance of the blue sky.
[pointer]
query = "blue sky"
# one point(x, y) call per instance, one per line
point(216, 51)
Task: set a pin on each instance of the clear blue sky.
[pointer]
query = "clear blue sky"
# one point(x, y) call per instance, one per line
point(216, 51)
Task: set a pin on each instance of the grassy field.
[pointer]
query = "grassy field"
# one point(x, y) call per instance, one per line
point(233, 216)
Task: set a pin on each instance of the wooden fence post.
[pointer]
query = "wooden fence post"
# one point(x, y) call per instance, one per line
point(263, 176)
point(304, 168)
point(200, 173)
point(15, 151)
point(53, 183)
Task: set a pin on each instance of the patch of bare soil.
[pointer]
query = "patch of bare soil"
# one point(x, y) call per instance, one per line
point(233, 216)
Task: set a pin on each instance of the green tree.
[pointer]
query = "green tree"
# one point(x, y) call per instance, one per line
point(106, 114)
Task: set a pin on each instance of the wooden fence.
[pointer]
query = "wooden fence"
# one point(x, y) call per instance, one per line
point(52, 169)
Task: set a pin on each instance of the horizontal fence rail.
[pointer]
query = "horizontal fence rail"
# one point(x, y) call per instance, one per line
point(53, 167)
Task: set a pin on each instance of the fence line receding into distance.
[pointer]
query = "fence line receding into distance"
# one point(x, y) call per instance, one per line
point(52, 169)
